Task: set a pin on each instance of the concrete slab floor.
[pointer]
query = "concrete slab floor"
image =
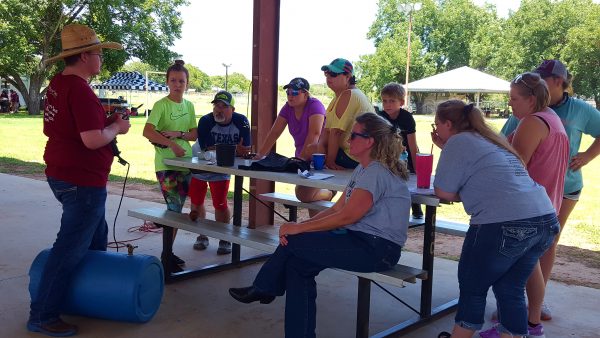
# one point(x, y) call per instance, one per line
point(201, 307)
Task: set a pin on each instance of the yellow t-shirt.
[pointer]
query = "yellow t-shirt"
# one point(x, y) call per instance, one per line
point(359, 103)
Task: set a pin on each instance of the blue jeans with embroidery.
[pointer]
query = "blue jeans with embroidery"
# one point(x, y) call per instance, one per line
point(82, 227)
point(501, 255)
point(292, 270)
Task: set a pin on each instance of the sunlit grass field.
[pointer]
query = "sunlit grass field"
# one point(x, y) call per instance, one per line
point(21, 138)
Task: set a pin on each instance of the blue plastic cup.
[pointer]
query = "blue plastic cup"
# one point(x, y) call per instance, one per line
point(318, 161)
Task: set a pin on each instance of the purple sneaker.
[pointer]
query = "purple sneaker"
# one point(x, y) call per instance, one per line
point(492, 332)
point(536, 331)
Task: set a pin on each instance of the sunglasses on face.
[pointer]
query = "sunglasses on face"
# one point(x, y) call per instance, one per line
point(520, 79)
point(332, 74)
point(353, 135)
point(293, 92)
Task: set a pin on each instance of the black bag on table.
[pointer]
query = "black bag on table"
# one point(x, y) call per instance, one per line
point(278, 163)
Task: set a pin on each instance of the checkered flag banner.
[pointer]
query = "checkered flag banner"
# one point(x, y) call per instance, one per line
point(130, 81)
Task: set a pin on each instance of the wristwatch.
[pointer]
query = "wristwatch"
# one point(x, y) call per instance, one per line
point(181, 134)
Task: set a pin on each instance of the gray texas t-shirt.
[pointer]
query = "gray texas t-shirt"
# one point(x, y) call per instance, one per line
point(492, 183)
point(388, 218)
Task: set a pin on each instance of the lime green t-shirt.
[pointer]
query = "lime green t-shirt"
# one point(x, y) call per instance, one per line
point(173, 116)
point(359, 103)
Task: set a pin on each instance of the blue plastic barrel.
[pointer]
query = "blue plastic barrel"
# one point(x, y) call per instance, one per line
point(109, 285)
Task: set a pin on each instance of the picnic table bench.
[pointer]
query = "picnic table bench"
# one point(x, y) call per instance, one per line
point(292, 204)
point(267, 242)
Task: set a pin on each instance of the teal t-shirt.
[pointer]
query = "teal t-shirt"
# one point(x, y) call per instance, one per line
point(173, 116)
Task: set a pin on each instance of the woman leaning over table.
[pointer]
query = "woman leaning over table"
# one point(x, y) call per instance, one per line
point(512, 221)
point(364, 231)
point(305, 116)
point(348, 102)
point(541, 141)
point(170, 127)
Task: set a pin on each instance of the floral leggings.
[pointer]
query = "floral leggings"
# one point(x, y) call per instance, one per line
point(174, 186)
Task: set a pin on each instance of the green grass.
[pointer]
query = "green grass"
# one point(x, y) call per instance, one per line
point(22, 142)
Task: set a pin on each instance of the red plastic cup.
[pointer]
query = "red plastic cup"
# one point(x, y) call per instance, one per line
point(424, 168)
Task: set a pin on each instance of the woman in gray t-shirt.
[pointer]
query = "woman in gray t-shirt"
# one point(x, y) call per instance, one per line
point(512, 222)
point(364, 231)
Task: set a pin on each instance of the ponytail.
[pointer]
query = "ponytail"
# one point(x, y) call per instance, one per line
point(468, 118)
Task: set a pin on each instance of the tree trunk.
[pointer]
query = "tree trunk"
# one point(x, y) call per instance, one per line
point(419, 100)
point(34, 96)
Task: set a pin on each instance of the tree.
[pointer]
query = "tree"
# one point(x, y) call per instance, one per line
point(30, 34)
point(236, 82)
point(567, 30)
point(199, 80)
point(441, 40)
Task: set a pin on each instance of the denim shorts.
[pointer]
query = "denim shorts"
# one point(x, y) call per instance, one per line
point(501, 256)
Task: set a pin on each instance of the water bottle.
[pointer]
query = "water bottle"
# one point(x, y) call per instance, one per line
point(404, 156)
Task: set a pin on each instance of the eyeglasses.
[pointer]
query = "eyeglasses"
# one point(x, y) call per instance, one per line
point(434, 126)
point(332, 74)
point(353, 135)
point(293, 92)
point(520, 79)
point(101, 56)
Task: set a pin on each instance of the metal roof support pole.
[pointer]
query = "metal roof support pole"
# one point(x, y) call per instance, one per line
point(265, 63)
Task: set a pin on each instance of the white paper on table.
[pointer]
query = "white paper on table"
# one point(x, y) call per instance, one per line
point(313, 176)
point(422, 191)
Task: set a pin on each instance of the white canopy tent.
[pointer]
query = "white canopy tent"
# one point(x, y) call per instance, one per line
point(461, 80)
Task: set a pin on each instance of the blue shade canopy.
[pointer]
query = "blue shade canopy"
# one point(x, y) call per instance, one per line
point(130, 81)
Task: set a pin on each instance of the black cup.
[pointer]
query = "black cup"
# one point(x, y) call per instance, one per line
point(225, 154)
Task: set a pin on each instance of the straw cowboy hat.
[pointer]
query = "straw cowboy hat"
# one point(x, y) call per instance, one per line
point(76, 38)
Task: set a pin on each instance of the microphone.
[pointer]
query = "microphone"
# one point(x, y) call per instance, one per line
point(113, 144)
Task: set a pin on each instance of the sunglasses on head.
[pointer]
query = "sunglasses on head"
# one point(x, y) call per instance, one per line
point(520, 79)
point(293, 92)
point(353, 135)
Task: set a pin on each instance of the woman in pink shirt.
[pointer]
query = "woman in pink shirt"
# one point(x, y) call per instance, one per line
point(541, 141)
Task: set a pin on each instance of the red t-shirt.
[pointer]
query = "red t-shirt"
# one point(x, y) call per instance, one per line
point(72, 108)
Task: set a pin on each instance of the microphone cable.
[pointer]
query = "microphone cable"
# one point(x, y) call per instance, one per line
point(122, 161)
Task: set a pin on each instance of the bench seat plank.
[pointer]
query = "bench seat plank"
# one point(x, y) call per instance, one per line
point(240, 235)
point(261, 241)
point(277, 197)
point(451, 228)
point(442, 226)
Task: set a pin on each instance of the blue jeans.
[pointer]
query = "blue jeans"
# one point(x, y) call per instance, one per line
point(82, 227)
point(292, 270)
point(501, 255)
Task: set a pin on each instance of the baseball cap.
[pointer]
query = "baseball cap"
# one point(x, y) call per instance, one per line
point(298, 83)
point(339, 66)
point(224, 97)
point(552, 68)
